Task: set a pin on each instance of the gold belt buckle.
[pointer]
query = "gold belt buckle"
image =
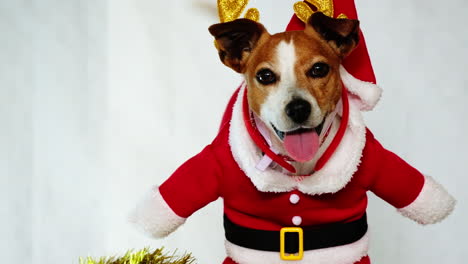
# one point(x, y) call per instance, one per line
point(300, 254)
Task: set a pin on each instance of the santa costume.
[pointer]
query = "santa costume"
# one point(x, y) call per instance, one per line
point(328, 206)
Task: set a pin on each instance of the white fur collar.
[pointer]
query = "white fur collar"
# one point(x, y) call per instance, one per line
point(334, 175)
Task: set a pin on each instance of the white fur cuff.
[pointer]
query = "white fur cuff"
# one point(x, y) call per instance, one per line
point(153, 216)
point(432, 205)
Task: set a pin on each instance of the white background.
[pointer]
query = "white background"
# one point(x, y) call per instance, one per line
point(100, 99)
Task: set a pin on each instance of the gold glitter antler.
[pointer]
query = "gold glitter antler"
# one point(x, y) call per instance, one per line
point(230, 10)
point(304, 11)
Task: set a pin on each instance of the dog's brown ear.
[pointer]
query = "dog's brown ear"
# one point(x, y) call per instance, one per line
point(235, 41)
point(342, 34)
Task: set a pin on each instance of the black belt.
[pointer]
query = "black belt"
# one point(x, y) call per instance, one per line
point(313, 238)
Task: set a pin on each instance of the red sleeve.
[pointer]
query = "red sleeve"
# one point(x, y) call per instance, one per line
point(390, 177)
point(193, 185)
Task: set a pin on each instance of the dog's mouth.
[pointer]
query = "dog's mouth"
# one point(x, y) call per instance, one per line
point(282, 134)
point(301, 144)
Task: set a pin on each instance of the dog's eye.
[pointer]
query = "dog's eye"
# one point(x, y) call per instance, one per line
point(266, 76)
point(319, 70)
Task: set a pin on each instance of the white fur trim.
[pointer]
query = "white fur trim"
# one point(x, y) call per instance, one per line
point(154, 217)
point(336, 173)
point(432, 205)
point(368, 93)
point(346, 254)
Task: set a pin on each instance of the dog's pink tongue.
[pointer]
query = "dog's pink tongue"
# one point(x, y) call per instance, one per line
point(303, 146)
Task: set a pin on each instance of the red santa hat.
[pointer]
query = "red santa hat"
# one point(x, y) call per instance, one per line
point(357, 72)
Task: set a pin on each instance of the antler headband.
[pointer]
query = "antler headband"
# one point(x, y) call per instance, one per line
point(230, 10)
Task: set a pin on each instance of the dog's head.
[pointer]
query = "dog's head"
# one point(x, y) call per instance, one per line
point(293, 77)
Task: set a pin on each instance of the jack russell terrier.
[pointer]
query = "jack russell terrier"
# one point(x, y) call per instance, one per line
point(295, 161)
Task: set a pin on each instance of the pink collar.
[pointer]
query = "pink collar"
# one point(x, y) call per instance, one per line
point(260, 141)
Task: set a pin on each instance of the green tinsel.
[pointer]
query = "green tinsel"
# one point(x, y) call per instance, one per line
point(144, 256)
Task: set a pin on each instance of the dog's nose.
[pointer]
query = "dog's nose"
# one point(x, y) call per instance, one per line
point(298, 110)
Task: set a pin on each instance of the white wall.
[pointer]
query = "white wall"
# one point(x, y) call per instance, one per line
point(102, 99)
point(52, 92)
point(69, 96)
point(15, 134)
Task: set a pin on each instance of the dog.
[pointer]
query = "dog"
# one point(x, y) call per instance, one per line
point(294, 160)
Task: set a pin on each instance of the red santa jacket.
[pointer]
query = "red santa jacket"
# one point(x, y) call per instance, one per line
point(271, 199)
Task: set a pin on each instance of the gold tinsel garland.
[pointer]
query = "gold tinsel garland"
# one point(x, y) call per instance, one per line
point(144, 256)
